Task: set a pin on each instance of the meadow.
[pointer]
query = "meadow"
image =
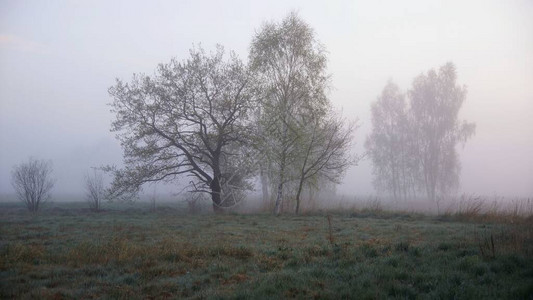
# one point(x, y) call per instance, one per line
point(66, 251)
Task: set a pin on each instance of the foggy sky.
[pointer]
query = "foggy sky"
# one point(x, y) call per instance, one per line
point(58, 58)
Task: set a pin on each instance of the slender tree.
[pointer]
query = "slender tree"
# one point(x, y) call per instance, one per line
point(325, 155)
point(290, 67)
point(389, 144)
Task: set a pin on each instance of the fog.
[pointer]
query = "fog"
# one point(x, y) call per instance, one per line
point(58, 59)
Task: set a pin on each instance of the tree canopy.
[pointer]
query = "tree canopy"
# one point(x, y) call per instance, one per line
point(191, 118)
point(290, 67)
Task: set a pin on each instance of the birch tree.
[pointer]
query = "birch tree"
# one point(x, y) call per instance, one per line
point(415, 146)
point(390, 144)
point(291, 69)
point(435, 101)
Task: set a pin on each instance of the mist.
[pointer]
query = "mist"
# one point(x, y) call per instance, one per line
point(57, 61)
point(338, 149)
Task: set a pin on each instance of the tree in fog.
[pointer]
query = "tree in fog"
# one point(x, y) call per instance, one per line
point(389, 144)
point(32, 182)
point(290, 68)
point(325, 145)
point(95, 191)
point(415, 146)
point(262, 157)
point(191, 118)
point(435, 101)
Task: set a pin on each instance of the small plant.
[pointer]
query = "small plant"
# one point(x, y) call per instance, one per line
point(374, 205)
point(95, 190)
point(193, 200)
point(486, 247)
point(470, 208)
point(402, 246)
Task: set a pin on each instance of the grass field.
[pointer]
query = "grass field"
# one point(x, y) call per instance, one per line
point(67, 252)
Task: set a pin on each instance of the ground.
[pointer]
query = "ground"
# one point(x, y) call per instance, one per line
point(127, 253)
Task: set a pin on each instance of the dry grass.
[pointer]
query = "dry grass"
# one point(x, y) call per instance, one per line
point(478, 209)
point(515, 239)
point(120, 250)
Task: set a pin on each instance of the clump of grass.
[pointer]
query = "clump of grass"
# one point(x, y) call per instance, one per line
point(331, 239)
point(317, 251)
point(19, 252)
point(522, 208)
point(507, 241)
point(117, 250)
point(121, 251)
point(239, 252)
point(486, 247)
point(369, 251)
point(444, 246)
point(402, 246)
point(471, 208)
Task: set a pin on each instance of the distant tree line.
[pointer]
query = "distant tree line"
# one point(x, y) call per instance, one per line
point(413, 145)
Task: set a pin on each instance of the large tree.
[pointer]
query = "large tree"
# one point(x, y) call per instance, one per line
point(290, 67)
point(190, 119)
point(436, 100)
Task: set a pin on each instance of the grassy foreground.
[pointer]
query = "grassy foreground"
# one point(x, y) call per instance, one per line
point(129, 254)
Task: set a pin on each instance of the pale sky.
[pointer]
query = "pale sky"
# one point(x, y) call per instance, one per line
point(58, 58)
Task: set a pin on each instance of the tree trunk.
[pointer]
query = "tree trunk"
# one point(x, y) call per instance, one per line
point(279, 199)
point(279, 196)
point(215, 195)
point(300, 187)
point(264, 185)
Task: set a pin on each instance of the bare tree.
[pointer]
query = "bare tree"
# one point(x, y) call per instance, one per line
point(95, 190)
point(32, 182)
point(192, 119)
point(290, 68)
point(326, 147)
